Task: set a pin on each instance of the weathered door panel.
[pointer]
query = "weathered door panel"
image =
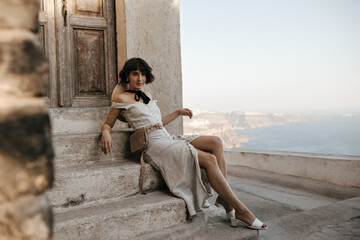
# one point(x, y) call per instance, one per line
point(89, 53)
point(78, 37)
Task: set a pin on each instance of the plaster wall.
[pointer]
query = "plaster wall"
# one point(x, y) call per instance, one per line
point(153, 33)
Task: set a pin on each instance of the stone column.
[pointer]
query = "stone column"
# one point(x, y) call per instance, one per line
point(26, 153)
point(153, 33)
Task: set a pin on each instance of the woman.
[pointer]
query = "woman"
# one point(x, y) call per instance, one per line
point(178, 158)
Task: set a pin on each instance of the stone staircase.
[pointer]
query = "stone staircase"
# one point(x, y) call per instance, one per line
point(293, 208)
point(298, 208)
point(96, 196)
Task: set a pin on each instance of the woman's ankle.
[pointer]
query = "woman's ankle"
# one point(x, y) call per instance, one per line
point(245, 215)
point(227, 207)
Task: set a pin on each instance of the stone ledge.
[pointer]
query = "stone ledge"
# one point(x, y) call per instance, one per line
point(287, 153)
point(337, 169)
point(81, 120)
point(98, 182)
point(121, 219)
point(83, 149)
point(211, 224)
point(308, 185)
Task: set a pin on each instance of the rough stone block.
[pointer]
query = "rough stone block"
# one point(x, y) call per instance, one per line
point(81, 120)
point(23, 67)
point(19, 14)
point(124, 219)
point(84, 149)
point(26, 152)
point(29, 218)
point(111, 181)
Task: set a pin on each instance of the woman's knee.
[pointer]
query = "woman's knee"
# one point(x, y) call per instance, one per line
point(216, 142)
point(211, 160)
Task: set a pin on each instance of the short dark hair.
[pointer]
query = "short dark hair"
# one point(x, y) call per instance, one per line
point(134, 64)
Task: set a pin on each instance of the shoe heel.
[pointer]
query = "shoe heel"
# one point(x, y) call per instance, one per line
point(233, 222)
point(231, 214)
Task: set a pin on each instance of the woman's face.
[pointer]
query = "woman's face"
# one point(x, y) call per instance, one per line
point(137, 80)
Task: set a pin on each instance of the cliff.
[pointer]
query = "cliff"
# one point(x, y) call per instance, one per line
point(223, 124)
point(215, 124)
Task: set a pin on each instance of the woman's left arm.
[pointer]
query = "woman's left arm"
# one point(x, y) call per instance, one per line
point(172, 116)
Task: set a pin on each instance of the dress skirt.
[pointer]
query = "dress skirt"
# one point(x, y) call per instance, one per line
point(177, 160)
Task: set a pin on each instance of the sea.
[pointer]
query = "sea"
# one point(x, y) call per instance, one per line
point(331, 136)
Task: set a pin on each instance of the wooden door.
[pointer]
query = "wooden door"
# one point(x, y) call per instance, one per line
point(48, 43)
point(85, 62)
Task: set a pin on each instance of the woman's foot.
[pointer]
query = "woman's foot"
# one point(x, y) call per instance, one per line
point(248, 220)
point(230, 212)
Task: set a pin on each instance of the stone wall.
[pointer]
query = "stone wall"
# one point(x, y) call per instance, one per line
point(337, 169)
point(26, 154)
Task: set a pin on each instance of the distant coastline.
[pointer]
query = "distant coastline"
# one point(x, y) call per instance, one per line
point(271, 131)
point(339, 136)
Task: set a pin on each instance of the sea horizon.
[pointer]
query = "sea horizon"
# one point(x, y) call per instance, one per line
point(339, 135)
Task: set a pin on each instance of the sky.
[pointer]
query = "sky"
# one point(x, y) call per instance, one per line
point(283, 56)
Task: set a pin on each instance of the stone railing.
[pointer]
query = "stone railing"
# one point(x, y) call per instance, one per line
point(338, 169)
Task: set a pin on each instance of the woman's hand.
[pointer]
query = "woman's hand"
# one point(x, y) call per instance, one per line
point(185, 112)
point(106, 142)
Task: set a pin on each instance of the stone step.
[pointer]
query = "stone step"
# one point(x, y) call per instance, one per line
point(210, 224)
point(80, 120)
point(78, 185)
point(120, 219)
point(79, 149)
point(285, 204)
point(340, 220)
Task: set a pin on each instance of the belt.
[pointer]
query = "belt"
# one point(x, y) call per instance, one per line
point(153, 128)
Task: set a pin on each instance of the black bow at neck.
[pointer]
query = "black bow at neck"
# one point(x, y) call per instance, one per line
point(140, 94)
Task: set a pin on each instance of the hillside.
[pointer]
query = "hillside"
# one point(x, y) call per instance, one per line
point(222, 124)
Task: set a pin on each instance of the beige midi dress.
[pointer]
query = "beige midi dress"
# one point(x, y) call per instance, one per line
point(173, 155)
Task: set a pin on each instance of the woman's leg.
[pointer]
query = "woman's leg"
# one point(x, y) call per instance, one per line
point(213, 145)
point(219, 184)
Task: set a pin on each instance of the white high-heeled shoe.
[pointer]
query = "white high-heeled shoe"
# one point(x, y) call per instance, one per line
point(230, 214)
point(206, 204)
point(257, 224)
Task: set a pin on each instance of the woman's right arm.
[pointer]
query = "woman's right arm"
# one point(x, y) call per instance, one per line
point(106, 141)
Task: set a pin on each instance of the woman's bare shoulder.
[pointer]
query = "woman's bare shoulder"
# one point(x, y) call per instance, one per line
point(123, 98)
